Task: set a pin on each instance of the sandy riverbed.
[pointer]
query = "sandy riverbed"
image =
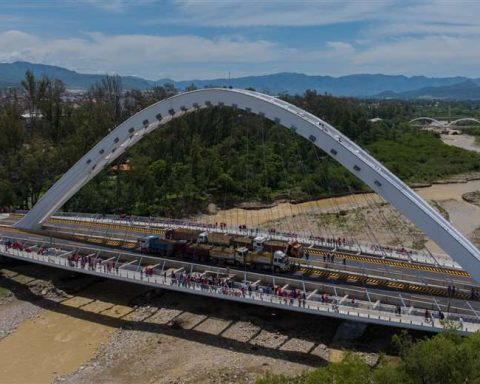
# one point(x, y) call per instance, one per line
point(461, 141)
point(464, 216)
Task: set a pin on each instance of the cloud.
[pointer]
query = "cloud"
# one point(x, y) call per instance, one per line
point(115, 6)
point(439, 55)
point(147, 55)
point(238, 13)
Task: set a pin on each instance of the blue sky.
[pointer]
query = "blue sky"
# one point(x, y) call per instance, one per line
point(186, 39)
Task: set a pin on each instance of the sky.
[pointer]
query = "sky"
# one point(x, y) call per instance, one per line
point(204, 39)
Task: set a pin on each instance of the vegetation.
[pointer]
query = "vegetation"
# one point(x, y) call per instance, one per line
point(218, 155)
point(444, 358)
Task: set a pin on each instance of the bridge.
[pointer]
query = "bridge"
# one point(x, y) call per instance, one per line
point(359, 290)
point(440, 123)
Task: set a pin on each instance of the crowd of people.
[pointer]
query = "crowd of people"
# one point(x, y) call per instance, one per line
point(390, 250)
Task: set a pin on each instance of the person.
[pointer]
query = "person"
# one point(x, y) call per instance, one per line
point(307, 256)
point(344, 261)
point(441, 316)
point(427, 316)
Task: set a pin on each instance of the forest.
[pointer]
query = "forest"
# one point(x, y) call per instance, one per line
point(217, 155)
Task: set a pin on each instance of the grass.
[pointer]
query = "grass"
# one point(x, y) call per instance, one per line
point(440, 209)
point(4, 292)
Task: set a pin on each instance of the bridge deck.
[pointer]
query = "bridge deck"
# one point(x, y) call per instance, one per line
point(133, 272)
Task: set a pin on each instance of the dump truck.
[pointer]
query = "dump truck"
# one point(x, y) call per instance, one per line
point(275, 245)
point(182, 234)
point(242, 241)
point(215, 238)
point(295, 249)
point(198, 252)
point(222, 255)
point(155, 245)
point(277, 261)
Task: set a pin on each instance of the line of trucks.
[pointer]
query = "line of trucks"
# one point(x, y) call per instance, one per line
point(223, 249)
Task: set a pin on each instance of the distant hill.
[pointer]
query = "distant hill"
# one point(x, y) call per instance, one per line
point(352, 85)
point(14, 73)
point(361, 85)
point(466, 90)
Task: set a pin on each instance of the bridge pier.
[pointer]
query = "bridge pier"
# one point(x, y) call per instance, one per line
point(349, 330)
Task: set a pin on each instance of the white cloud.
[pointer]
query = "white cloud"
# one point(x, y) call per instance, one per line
point(146, 55)
point(241, 13)
point(434, 55)
point(115, 6)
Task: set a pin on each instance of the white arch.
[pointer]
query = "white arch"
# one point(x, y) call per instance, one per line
point(471, 119)
point(422, 118)
point(322, 134)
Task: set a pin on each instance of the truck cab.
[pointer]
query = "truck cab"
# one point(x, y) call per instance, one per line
point(280, 261)
point(258, 243)
point(202, 238)
point(144, 242)
point(241, 254)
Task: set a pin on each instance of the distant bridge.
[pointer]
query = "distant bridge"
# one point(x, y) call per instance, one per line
point(430, 121)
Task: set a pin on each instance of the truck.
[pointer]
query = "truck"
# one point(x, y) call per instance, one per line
point(242, 241)
point(295, 249)
point(275, 245)
point(215, 238)
point(182, 234)
point(155, 245)
point(198, 252)
point(223, 255)
point(277, 261)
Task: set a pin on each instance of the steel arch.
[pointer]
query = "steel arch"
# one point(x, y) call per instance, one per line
point(422, 118)
point(322, 134)
point(471, 119)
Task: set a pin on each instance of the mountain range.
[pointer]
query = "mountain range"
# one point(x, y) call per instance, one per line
point(360, 85)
